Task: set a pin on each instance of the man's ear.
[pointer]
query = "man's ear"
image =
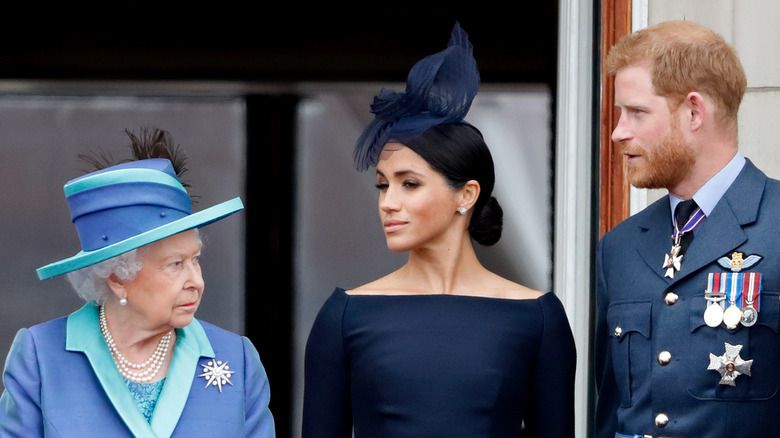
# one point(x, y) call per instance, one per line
point(697, 108)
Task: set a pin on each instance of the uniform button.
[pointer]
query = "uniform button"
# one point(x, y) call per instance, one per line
point(661, 420)
point(618, 331)
point(664, 357)
point(670, 298)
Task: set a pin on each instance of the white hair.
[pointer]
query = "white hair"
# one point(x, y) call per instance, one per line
point(90, 282)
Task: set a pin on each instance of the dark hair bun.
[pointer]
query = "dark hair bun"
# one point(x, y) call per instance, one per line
point(487, 223)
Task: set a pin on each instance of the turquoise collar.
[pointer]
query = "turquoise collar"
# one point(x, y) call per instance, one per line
point(83, 334)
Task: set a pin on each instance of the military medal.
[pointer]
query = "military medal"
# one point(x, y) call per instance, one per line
point(751, 292)
point(730, 365)
point(673, 260)
point(743, 290)
point(733, 314)
point(749, 316)
point(713, 314)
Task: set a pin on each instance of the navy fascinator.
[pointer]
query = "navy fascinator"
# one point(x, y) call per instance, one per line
point(439, 90)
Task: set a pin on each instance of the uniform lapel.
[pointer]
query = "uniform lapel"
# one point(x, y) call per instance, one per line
point(717, 235)
point(721, 232)
point(655, 236)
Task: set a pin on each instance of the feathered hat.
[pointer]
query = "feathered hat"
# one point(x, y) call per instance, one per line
point(128, 205)
point(439, 90)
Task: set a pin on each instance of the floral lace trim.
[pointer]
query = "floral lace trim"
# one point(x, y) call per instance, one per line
point(146, 395)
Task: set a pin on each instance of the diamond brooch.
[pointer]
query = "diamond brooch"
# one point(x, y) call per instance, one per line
point(216, 373)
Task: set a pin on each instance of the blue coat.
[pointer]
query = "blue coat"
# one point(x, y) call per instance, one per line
point(60, 381)
point(652, 352)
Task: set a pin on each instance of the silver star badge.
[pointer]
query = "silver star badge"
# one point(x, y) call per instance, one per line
point(216, 373)
point(730, 365)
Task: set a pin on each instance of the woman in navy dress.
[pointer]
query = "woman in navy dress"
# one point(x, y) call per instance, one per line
point(442, 347)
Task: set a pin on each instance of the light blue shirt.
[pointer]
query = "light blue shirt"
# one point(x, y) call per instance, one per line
point(710, 193)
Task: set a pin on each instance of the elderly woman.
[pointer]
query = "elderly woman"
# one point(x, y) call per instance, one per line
point(133, 361)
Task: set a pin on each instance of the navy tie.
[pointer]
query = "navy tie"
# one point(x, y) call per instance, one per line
point(682, 213)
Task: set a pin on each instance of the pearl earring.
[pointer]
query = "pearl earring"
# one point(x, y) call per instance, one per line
point(123, 301)
point(462, 210)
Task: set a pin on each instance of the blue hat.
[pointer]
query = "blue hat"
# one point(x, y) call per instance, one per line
point(439, 90)
point(126, 206)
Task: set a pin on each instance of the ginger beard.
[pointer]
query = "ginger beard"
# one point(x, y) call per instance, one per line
point(663, 164)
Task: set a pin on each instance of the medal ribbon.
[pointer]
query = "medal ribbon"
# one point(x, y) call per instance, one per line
point(752, 289)
point(692, 223)
point(735, 289)
point(714, 285)
point(711, 282)
point(716, 288)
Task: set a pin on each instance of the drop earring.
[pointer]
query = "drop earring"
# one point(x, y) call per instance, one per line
point(462, 210)
point(123, 301)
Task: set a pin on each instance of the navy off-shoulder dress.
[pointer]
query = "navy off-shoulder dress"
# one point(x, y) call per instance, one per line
point(398, 366)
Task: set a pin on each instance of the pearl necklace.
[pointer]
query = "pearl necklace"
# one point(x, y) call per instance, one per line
point(140, 373)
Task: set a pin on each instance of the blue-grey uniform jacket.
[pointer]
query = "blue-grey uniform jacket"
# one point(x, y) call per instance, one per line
point(653, 348)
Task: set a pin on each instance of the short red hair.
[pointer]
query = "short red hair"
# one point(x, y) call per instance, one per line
point(683, 57)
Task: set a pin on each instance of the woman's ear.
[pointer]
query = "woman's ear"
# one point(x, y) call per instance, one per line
point(469, 194)
point(117, 286)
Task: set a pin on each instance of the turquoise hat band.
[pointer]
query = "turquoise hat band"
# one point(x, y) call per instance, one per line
point(194, 220)
point(119, 176)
